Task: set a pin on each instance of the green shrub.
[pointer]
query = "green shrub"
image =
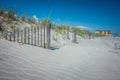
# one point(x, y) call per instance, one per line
point(11, 15)
point(1, 11)
point(23, 18)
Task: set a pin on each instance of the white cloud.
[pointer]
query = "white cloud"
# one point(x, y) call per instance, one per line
point(35, 18)
point(84, 27)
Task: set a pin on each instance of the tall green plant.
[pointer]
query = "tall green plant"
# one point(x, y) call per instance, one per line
point(23, 18)
point(11, 15)
point(1, 11)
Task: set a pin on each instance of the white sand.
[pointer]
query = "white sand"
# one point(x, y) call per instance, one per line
point(95, 59)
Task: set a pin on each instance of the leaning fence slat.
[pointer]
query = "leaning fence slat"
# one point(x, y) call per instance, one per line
point(48, 35)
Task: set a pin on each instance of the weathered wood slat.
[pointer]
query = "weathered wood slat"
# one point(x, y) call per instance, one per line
point(35, 36)
point(14, 36)
point(18, 35)
point(21, 36)
point(28, 35)
point(38, 36)
point(41, 35)
point(44, 36)
point(25, 35)
point(10, 36)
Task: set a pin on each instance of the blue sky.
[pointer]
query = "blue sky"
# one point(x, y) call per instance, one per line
point(90, 14)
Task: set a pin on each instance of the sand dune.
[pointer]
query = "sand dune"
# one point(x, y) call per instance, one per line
point(95, 59)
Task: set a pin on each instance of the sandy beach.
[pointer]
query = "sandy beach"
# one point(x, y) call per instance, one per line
point(95, 59)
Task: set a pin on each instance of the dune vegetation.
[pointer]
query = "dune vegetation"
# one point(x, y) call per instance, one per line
point(9, 17)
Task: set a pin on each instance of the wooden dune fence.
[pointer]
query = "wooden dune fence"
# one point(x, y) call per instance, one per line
point(37, 36)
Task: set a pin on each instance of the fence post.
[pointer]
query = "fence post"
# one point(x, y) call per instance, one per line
point(74, 35)
point(68, 33)
point(89, 35)
point(48, 35)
